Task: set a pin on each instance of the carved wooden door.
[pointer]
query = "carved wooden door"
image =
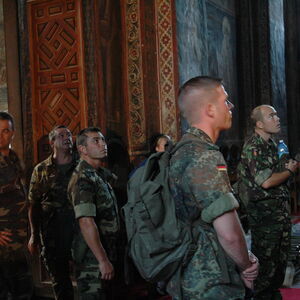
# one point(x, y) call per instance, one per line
point(57, 67)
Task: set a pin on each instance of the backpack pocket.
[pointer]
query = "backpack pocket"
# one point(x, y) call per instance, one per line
point(153, 203)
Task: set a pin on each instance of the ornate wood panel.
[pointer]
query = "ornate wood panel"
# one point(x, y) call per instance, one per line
point(134, 76)
point(57, 66)
point(167, 66)
point(150, 62)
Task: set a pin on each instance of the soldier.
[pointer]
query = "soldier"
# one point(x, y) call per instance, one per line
point(15, 275)
point(96, 213)
point(50, 213)
point(221, 266)
point(262, 183)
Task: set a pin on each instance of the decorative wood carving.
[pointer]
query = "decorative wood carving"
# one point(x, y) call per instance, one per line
point(57, 66)
point(150, 62)
point(167, 66)
point(134, 76)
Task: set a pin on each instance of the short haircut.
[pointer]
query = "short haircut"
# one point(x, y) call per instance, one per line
point(6, 116)
point(199, 83)
point(82, 137)
point(256, 114)
point(52, 133)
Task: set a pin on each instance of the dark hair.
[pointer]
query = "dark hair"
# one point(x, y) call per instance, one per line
point(82, 137)
point(154, 140)
point(6, 116)
point(52, 133)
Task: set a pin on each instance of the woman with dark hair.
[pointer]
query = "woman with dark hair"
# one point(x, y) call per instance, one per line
point(157, 143)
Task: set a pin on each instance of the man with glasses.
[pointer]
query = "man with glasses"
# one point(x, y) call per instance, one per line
point(97, 221)
point(263, 179)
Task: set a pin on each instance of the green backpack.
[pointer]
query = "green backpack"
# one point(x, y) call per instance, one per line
point(158, 242)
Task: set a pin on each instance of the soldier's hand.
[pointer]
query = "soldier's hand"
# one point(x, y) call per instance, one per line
point(251, 272)
point(34, 244)
point(248, 283)
point(106, 269)
point(5, 238)
point(292, 165)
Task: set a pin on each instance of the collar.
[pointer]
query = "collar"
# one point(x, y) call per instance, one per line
point(87, 166)
point(202, 135)
point(50, 162)
point(12, 155)
point(269, 142)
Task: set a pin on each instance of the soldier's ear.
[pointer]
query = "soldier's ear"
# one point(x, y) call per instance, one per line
point(210, 109)
point(82, 149)
point(259, 124)
point(51, 143)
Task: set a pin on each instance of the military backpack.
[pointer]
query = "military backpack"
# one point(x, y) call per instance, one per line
point(158, 242)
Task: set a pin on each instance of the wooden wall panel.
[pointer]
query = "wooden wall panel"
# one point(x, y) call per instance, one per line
point(150, 71)
point(57, 66)
point(133, 84)
point(167, 67)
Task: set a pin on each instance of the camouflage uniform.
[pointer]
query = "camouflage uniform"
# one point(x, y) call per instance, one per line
point(201, 188)
point(92, 196)
point(268, 215)
point(15, 275)
point(48, 188)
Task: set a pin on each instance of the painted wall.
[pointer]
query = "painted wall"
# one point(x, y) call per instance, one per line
point(3, 81)
point(277, 53)
point(206, 35)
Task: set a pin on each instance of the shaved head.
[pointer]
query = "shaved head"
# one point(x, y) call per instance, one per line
point(257, 113)
point(194, 94)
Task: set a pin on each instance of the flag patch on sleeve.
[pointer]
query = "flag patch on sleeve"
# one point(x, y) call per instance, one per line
point(222, 167)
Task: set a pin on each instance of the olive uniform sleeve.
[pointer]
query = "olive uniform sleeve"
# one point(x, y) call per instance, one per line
point(209, 184)
point(82, 194)
point(259, 164)
point(35, 190)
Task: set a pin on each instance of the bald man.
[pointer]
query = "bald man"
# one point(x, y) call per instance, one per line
point(264, 179)
point(221, 267)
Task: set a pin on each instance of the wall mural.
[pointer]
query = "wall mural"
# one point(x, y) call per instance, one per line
point(277, 54)
point(206, 33)
point(3, 81)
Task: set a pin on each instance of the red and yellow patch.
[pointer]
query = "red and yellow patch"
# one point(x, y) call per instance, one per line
point(222, 167)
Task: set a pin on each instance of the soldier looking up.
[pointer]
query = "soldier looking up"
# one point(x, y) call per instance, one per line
point(263, 179)
point(221, 266)
point(97, 222)
point(50, 213)
point(15, 275)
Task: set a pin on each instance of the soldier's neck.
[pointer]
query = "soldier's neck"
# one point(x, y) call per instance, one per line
point(266, 136)
point(62, 158)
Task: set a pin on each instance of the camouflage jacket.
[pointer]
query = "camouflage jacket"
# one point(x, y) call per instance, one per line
point(48, 187)
point(200, 185)
point(92, 196)
point(13, 208)
point(259, 160)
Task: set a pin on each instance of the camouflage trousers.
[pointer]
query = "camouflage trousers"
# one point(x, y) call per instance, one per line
point(89, 283)
point(56, 253)
point(209, 275)
point(271, 244)
point(16, 279)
